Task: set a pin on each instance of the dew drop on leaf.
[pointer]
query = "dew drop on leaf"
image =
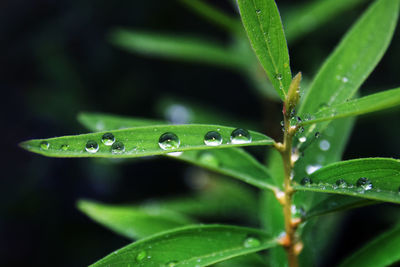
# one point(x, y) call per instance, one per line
point(341, 183)
point(251, 242)
point(306, 181)
point(302, 139)
point(65, 147)
point(278, 76)
point(317, 135)
point(169, 141)
point(364, 183)
point(117, 147)
point(44, 145)
point(108, 139)
point(141, 256)
point(92, 146)
point(240, 136)
point(212, 138)
point(258, 11)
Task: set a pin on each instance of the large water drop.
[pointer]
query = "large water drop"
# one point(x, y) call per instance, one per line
point(240, 136)
point(108, 139)
point(44, 145)
point(117, 147)
point(251, 242)
point(169, 141)
point(92, 146)
point(213, 138)
point(364, 183)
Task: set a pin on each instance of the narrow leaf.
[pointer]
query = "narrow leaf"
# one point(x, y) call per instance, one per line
point(199, 245)
point(306, 18)
point(144, 141)
point(371, 178)
point(337, 203)
point(363, 105)
point(354, 58)
point(98, 122)
point(382, 251)
point(263, 25)
point(232, 162)
point(133, 222)
point(175, 47)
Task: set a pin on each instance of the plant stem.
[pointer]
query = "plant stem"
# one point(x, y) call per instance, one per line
point(290, 239)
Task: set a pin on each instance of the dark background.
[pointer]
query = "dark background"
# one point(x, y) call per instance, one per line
point(56, 61)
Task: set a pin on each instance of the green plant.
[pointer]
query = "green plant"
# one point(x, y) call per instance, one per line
point(294, 186)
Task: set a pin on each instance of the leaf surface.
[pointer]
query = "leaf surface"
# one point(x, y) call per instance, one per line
point(199, 245)
point(139, 141)
point(354, 58)
point(371, 178)
point(382, 251)
point(133, 222)
point(175, 47)
point(233, 162)
point(363, 105)
point(306, 18)
point(263, 25)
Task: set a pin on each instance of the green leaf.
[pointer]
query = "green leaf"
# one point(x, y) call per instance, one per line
point(133, 222)
point(382, 251)
point(306, 18)
point(371, 178)
point(139, 141)
point(354, 58)
point(199, 245)
point(220, 198)
point(232, 162)
point(263, 25)
point(251, 260)
point(363, 105)
point(98, 122)
point(337, 203)
point(175, 47)
point(214, 15)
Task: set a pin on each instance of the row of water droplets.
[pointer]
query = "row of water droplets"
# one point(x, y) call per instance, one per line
point(249, 242)
point(363, 184)
point(166, 141)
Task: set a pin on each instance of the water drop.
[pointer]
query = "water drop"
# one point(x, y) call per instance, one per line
point(364, 183)
point(317, 135)
point(278, 76)
point(251, 242)
point(44, 145)
point(212, 138)
point(306, 181)
point(345, 79)
point(108, 139)
point(312, 168)
point(117, 147)
point(65, 147)
point(282, 123)
point(141, 256)
point(92, 146)
point(240, 136)
point(324, 145)
point(302, 139)
point(169, 141)
point(258, 11)
point(341, 183)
